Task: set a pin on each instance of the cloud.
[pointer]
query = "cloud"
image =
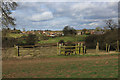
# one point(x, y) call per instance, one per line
point(54, 16)
point(42, 17)
point(95, 10)
point(65, 0)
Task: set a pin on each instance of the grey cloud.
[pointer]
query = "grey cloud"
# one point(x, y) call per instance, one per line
point(42, 17)
point(57, 15)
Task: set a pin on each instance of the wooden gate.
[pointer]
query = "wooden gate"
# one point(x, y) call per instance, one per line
point(69, 50)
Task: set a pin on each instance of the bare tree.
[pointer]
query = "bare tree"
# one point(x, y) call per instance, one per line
point(111, 24)
point(6, 8)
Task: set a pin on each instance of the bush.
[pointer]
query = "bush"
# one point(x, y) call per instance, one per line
point(109, 37)
point(42, 37)
point(31, 39)
point(87, 33)
point(8, 42)
point(21, 41)
point(90, 41)
point(45, 37)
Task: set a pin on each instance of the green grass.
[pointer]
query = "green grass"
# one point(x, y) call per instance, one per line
point(86, 55)
point(15, 35)
point(65, 38)
point(56, 39)
point(94, 67)
point(45, 63)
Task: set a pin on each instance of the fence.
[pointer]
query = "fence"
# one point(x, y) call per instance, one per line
point(79, 49)
point(22, 48)
point(35, 51)
point(69, 50)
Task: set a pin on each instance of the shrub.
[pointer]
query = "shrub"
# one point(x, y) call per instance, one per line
point(8, 42)
point(43, 37)
point(87, 33)
point(90, 41)
point(110, 37)
point(31, 39)
point(21, 41)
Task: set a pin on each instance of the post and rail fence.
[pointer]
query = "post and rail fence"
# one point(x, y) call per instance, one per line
point(78, 49)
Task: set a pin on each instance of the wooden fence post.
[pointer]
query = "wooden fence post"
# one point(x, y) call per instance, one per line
point(57, 48)
point(81, 49)
point(117, 46)
point(109, 48)
point(97, 47)
point(106, 47)
point(84, 49)
point(78, 48)
point(60, 49)
point(17, 50)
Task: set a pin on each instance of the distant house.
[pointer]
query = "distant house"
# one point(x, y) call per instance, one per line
point(99, 32)
point(23, 32)
point(52, 35)
point(79, 32)
point(30, 32)
point(39, 31)
point(43, 32)
point(92, 32)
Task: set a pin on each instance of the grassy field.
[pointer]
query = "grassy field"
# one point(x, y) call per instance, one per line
point(56, 39)
point(44, 62)
point(67, 67)
point(15, 35)
point(65, 38)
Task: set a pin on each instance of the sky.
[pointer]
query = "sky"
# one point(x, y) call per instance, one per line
point(57, 15)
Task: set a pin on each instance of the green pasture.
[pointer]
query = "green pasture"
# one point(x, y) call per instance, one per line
point(15, 35)
point(65, 38)
point(76, 38)
point(92, 67)
point(43, 62)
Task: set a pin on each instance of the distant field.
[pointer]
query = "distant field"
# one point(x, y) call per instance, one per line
point(15, 35)
point(65, 38)
point(62, 67)
point(56, 39)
